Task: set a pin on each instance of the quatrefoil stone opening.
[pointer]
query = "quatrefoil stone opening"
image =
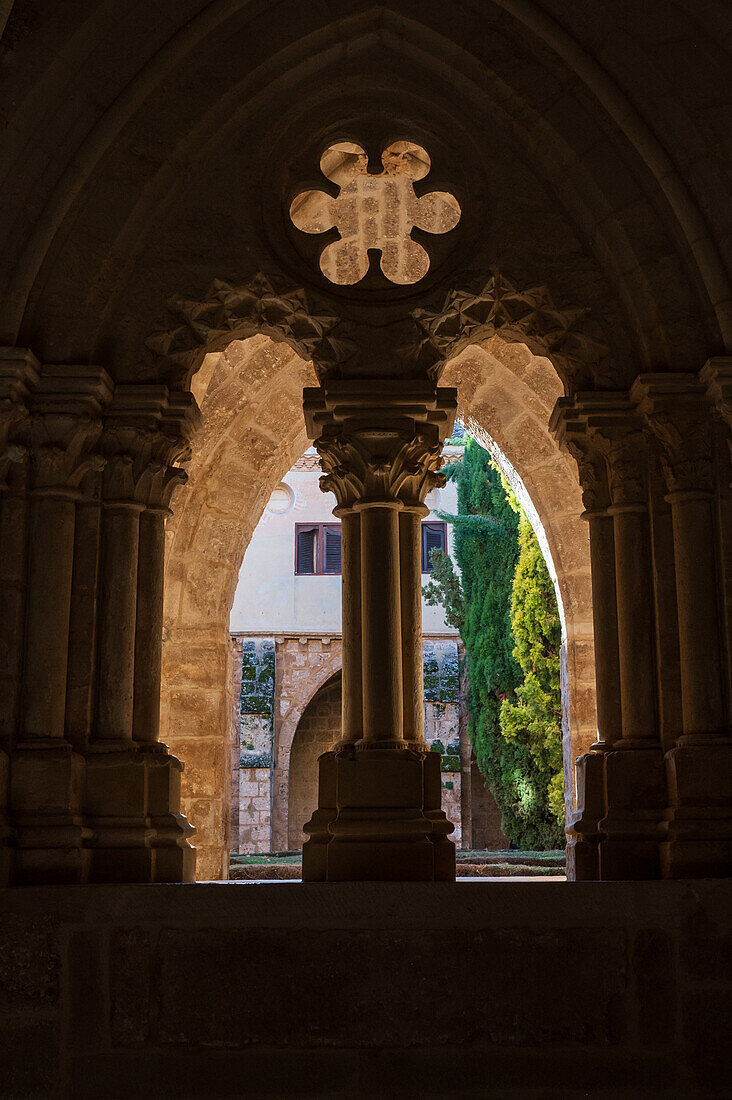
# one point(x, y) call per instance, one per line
point(374, 211)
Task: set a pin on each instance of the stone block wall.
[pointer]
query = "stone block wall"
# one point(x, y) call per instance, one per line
point(288, 712)
point(612, 989)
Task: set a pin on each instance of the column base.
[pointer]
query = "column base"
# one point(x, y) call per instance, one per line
point(132, 801)
point(583, 833)
point(385, 824)
point(635, 795)
point(698, 840)
point(315, 848)
point(49, 836)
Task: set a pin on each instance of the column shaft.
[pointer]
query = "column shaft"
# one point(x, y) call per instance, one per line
point(148, 652)
point(121, 524)
point(605, 625)
point(381, 624)
point(13, 524)
point(83, 625)
point(410, 549)
point(352, 691)
point(635, 624)
point(51, 546)
point(696, 595)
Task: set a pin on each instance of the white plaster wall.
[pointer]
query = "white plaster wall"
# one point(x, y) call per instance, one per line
point(270, 597)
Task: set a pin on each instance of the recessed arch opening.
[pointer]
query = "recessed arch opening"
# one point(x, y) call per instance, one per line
point(251, 400)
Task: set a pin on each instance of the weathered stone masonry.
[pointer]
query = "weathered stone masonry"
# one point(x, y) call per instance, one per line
point(288, 712)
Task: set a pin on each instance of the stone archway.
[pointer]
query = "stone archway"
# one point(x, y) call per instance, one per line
point(251, 400)
point(506, 396)
point(253, 430)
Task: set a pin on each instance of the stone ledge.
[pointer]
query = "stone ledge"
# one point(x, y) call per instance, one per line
point(505, 989)
point(481, 904)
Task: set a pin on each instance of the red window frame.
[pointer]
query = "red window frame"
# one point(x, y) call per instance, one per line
point(319, 548)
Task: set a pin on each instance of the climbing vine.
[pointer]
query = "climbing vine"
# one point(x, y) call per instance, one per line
point(503, 604)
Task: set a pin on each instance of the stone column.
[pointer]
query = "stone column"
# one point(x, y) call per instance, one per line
point(570, 427)
point(699, 838)
point(635, 788)
point(381, 623)
point(18, 374)
point(46, 773)
point(352, 718)
point(352, 694)
point(410, 556)
point(379, 815)
point(133, 783)
point(82, 662)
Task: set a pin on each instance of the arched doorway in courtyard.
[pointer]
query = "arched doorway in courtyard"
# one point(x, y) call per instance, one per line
point(318, 729)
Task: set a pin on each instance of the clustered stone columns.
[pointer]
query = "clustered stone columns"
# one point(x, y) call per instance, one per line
point(379, 814)
point(87, 468)
point(646, 807)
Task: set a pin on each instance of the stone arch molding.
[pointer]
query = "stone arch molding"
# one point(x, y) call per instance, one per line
point(258, 305)
point(488, 345)
point(313, 328)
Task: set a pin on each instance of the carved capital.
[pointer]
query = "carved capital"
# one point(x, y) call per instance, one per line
point(685, 451)
point(379, 441)
point(147, 432)
point(370, 464)
point(570, 426)
point(18, 374)
point(678, 417)
point(623, 447)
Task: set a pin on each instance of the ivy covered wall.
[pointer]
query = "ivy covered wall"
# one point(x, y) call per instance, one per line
point(257, 702)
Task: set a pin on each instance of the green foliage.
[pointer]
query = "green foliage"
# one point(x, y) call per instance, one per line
point(504, 606)
point(444, 587)
point(535, 717)
point(450, 755)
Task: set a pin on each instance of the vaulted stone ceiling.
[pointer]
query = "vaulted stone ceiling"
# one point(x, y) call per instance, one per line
point(143, 159)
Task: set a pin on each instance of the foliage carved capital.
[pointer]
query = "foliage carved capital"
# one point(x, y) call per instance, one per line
point(379, 443)
point(679, 418)
point(146, 434)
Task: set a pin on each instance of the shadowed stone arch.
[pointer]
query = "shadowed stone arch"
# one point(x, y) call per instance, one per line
point(253, 430)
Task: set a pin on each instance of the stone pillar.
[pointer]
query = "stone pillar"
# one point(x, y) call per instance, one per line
point(18, 374)
point(352, 694)
point(635, 788)
point(379, 814)
point(133, 783)
point(570, 426)
point(46, 773)
point(699, 837)
point(410, 558)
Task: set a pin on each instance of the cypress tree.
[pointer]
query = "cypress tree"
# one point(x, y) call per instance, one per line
point(479, 603)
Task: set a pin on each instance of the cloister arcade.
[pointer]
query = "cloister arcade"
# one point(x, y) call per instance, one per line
point(170, 343)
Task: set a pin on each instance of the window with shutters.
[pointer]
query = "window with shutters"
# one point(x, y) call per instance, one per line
point(434, 537)
point(317, 548)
